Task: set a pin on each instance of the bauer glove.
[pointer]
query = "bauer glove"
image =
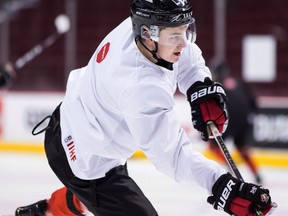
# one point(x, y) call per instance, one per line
point(239, 198)
point(207, 101)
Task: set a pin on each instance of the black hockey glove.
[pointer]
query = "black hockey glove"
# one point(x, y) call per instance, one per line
point(7, 74)
point(207, 101)
point(239, 198)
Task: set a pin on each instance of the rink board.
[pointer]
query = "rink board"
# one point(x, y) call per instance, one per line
point(20, 112)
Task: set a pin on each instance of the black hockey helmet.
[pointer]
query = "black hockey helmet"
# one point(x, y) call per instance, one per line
point(152, 15)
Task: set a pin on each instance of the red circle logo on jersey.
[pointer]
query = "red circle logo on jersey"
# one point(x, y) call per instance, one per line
point(102, 53)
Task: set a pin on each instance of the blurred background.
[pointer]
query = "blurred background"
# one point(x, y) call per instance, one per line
point(222, 26)
point(249, 37)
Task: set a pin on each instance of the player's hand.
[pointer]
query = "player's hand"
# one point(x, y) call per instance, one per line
point(239, 198)
point(7, 74)
point(207, 101)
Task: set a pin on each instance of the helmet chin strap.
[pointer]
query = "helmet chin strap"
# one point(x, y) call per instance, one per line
point(160, 62)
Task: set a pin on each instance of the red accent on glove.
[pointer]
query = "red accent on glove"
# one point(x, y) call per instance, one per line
point(212, 112)
point(241, 207)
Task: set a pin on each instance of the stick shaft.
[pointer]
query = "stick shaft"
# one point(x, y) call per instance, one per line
point(36, 51)
point(218, 138)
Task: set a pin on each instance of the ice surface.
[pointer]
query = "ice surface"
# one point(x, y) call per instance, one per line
point(27, 178)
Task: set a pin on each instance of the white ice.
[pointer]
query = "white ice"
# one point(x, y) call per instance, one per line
point(27, 178)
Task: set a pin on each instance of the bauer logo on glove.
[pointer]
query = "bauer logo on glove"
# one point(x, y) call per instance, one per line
point(205, 92)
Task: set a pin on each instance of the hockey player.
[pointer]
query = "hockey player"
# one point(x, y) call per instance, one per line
point(122, 101)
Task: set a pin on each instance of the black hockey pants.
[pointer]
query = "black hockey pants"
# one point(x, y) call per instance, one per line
point(116, 194)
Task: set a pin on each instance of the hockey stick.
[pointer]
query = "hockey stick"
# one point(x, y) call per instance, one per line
point(62, 24)
point(7, 70)
point(218, 138)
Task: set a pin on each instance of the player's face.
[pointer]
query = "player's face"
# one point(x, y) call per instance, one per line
point(171, 43)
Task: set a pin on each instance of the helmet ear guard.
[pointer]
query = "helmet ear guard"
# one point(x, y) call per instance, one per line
point(145, 32)
point(150, 33)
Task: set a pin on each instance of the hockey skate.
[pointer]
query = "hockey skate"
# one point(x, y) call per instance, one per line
point(36, 209)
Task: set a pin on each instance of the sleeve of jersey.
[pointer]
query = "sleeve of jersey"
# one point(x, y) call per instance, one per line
point(149, 114)
point(192, 68)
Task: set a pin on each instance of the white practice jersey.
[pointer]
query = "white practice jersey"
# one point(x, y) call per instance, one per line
point(121, 102)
